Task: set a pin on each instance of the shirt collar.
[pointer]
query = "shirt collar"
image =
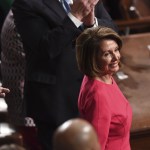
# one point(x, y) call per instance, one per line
point(68, 1)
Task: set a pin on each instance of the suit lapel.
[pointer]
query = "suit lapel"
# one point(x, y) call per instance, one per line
point(55, 6)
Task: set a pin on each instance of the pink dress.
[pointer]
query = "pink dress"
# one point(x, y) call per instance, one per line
point(106, 108)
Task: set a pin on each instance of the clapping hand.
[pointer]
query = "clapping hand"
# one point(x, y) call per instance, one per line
point(84, 10)
point(3, 92)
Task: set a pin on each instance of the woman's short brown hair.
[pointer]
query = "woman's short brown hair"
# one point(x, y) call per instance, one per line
point(87, 47)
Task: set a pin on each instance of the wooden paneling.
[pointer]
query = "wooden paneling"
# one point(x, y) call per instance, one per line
point(140, 140)
point(131, 16)
point(136, 65)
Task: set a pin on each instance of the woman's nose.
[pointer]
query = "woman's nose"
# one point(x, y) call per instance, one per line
point(114, 56)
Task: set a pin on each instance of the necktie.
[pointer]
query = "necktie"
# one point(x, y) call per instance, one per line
point(66, 6)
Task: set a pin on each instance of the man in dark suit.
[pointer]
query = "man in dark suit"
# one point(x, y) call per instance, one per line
point(52, 79)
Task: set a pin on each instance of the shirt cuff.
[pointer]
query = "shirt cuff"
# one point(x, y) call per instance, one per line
point(96, 22)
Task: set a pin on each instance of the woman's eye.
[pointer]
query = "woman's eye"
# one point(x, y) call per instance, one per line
point(117, 49)
point(106, 54)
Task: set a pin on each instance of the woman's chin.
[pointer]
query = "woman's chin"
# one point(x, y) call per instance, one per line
point(115, 69)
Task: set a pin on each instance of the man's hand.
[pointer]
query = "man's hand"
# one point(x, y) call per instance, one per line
point(3, 91)
point(84, 10)
point(90, 18)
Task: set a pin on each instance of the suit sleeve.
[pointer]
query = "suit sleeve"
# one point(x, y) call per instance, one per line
point(99, 115)
point(43, 30)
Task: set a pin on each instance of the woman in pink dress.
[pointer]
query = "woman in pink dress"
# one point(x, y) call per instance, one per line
point(100, 100)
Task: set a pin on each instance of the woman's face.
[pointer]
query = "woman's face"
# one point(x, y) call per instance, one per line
point(109, 56)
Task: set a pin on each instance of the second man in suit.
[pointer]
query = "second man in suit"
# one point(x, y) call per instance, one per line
point(52, 78)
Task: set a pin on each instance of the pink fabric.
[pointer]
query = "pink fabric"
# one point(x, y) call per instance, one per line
point(105, 107)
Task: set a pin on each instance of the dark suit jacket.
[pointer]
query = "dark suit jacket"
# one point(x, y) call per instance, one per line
point(52, 78)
